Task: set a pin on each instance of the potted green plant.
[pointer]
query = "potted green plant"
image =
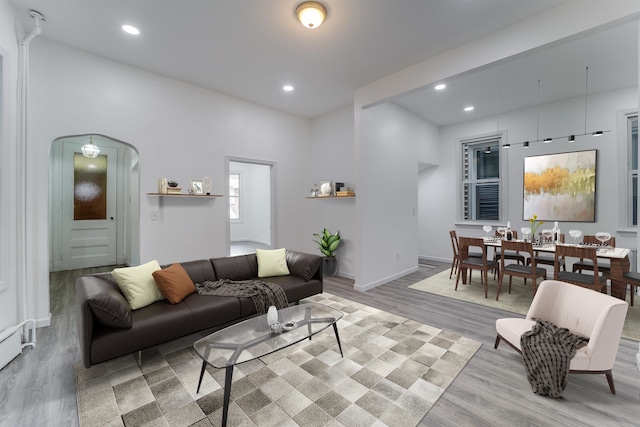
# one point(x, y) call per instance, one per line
point(328, 243)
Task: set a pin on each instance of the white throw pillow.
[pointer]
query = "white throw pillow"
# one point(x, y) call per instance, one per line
point(272, 262)
point(138, 285)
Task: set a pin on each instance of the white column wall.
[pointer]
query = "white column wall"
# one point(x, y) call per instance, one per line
point(388, 200)
point(8, 173)
point(180, 130)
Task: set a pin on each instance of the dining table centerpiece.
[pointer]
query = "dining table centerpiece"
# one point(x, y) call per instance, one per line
point(535, 224)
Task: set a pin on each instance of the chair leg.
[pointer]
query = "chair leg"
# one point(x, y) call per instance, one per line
point(500, 277)
point(454, 264)
point(510, 280)
point(486, 282)
point(497, 343)
point(633, 291)
point(612, 387)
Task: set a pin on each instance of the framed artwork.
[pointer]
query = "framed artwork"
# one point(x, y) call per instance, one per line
point(196, 187)
point(560, 187)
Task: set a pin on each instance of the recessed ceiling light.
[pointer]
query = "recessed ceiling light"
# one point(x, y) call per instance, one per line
point(469, 108)
point(441, 86)
point(287, 88)
point(130, 29)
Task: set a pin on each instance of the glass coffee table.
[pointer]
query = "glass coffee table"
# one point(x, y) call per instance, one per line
point(253, 338)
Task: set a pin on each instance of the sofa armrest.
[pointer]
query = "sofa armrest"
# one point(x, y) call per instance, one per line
point(98, 301)
point(305, 265)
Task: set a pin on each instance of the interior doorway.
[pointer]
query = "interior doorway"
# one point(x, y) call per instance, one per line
point(93, 204)
point(250, 204)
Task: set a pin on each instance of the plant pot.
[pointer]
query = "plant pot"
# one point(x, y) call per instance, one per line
point(330, 266)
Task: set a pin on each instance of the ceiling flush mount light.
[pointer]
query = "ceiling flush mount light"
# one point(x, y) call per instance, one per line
point(130, 29)
point(311, 13)
point(287, 88)
point(90, 149)
point(441, 86)
point(469, 108)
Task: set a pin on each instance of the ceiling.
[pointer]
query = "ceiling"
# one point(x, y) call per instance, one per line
point(249, 49)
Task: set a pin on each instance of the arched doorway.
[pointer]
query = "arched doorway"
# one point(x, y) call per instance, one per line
point(93, 204)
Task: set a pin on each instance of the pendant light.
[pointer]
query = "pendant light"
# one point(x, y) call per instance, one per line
point(90, 149)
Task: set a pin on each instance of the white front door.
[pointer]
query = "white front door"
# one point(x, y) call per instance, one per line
point(88, 235)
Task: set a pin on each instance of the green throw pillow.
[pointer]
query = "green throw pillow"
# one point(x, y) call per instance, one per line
point(137, 284)
point(272, 262)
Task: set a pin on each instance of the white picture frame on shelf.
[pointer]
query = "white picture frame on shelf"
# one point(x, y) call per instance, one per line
point(196, 187)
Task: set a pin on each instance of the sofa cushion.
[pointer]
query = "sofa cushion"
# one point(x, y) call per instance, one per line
point(241, 267)
point(174, 283)
point(110, 308)
point(303, 265)
point(137, 284)
point(272, 262)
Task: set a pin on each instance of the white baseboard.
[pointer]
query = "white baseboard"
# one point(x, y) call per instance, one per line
point(368, 286)
point(436, 259)
point(43, 322)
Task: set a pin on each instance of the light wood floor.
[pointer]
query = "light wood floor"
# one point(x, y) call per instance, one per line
point(38, 388)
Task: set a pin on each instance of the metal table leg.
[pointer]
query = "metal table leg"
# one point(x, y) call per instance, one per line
point(335, 329)
point(227, 394)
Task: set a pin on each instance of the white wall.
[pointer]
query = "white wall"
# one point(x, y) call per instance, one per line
point(180, 131)
point(8, 172)
point(439, 191)
point(255, 204)
point(332, 159)
point(388, 201)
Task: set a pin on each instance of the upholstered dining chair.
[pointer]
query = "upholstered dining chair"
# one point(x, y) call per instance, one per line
point(593, 281)
point(468, 263)
point(598, 317)
point(545, 259)
point(584, 264)
point(509, 254)
point(456, 253)
point(632, 279)
point(530, 271)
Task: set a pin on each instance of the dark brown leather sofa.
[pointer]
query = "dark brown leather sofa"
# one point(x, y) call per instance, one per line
point(108, 328)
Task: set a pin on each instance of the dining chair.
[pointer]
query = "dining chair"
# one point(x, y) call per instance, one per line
point(469, 263)
point(529, 271)
point(585, 264)
point(543, 259)
point(632, 279)
point(509, 254)
point(456, 253)
point(592, 281)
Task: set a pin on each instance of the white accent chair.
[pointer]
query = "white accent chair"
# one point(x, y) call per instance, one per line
point(584, 312)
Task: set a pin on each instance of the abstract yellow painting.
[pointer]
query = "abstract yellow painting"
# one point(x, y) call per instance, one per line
point(560, 187)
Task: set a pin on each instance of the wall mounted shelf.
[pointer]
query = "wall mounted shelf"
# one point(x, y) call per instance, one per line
point(331, 197)
point(200, 196)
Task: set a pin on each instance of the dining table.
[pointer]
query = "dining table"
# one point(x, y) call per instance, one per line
point(617, 257)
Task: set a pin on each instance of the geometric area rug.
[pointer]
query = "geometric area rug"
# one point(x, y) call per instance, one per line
point(518, 301)
point(393, 371)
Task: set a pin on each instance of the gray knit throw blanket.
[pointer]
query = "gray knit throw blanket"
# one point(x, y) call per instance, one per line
point(547, 351)
point(263, 294)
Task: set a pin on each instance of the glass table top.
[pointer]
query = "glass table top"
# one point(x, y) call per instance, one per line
point(253, 338)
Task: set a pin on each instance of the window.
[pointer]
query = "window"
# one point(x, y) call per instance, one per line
point(481, 179)
point(234, 196)
point(632, 167)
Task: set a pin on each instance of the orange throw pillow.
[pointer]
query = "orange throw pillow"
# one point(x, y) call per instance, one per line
point(174, 283)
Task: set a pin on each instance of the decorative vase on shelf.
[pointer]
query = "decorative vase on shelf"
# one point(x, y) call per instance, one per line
point(272, 315)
